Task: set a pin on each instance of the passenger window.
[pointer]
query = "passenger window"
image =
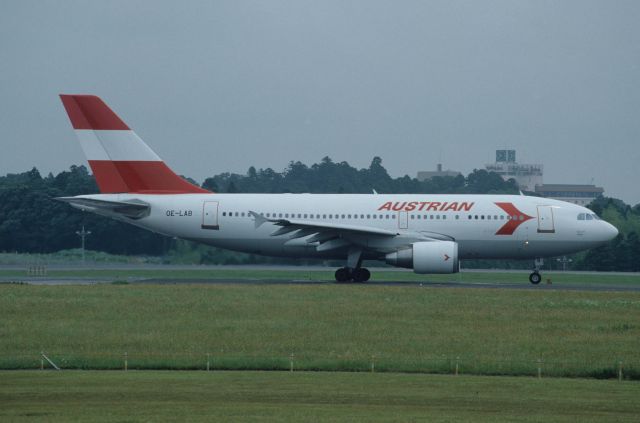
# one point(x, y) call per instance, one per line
point(437, 216)
point(368, 216)
point(444, 217)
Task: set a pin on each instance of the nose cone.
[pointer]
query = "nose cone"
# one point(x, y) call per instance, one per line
point(608, 231)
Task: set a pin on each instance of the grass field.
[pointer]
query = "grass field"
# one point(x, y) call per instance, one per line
point(317, 396)
point(380, 274)
point(325, 327)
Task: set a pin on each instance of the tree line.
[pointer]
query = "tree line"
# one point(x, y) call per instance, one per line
point(31, 221)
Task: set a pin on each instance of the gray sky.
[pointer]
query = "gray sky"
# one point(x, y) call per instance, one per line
point(218, 86)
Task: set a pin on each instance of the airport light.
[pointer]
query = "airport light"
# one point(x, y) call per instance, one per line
point(83, 234)
point(564, 260)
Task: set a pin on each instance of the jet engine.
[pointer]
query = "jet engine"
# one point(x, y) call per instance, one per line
point(427, 257)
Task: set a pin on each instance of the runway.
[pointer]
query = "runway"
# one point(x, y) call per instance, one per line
point(593, 287)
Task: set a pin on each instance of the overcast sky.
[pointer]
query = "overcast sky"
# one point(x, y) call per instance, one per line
point(218, 86)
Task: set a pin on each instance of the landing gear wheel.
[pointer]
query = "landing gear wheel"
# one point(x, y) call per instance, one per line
point(361, 275)
point(535, 278)
point(343, 275)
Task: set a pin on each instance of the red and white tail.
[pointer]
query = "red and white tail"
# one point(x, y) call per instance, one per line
point(120, 160)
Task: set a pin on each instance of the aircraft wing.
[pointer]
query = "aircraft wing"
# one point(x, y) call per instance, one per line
point(133, 209)
point(329, 236)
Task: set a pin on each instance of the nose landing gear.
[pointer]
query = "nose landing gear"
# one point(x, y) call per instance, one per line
point(535, 277)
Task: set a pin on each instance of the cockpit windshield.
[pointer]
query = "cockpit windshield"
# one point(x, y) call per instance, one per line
point(588, 216)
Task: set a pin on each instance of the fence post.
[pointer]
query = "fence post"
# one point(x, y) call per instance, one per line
point(126, 361)
point(291, 362)
point(457, 365)
point(620, 371)
point(539, 368)
point(207, 361)
point(373, 363)
point(41, 361)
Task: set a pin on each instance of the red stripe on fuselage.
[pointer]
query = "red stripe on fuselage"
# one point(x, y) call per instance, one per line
point(90, 112)
point(517, 218)
point(140, 177)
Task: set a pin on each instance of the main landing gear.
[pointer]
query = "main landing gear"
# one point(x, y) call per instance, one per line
point(353, 270)
point(347, 274)
point(535, 277)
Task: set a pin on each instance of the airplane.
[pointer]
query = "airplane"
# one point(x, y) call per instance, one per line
point(429, 233)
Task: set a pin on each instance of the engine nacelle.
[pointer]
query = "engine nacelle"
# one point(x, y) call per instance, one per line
point(427, 257)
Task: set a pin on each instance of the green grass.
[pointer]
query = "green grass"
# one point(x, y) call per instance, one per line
point(318, 397)
point(326, 327)
point(381, 275)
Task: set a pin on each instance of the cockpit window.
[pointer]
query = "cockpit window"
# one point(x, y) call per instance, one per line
point(588, 216)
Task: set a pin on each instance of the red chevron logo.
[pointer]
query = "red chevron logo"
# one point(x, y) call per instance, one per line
point(515, 216)
point(446, 257)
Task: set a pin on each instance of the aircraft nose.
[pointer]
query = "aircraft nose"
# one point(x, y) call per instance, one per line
point(609, 231)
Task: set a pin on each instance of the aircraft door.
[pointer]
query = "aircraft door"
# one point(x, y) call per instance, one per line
point(403, 220)
point(545, 220)
point(210, 215)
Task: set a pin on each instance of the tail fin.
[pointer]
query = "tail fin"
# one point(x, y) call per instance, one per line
point(120, 160)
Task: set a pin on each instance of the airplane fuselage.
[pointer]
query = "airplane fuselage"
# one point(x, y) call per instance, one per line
point(484, 226)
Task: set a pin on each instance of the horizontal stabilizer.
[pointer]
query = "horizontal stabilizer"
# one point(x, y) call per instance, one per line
point(133, 209)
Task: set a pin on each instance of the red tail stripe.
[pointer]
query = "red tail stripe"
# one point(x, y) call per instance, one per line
point(141, 177)
point(107, 177)
point(90, 112)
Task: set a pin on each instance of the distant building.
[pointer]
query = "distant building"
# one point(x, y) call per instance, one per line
point(577, 194)
point(428, 174)
point(526, 175)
